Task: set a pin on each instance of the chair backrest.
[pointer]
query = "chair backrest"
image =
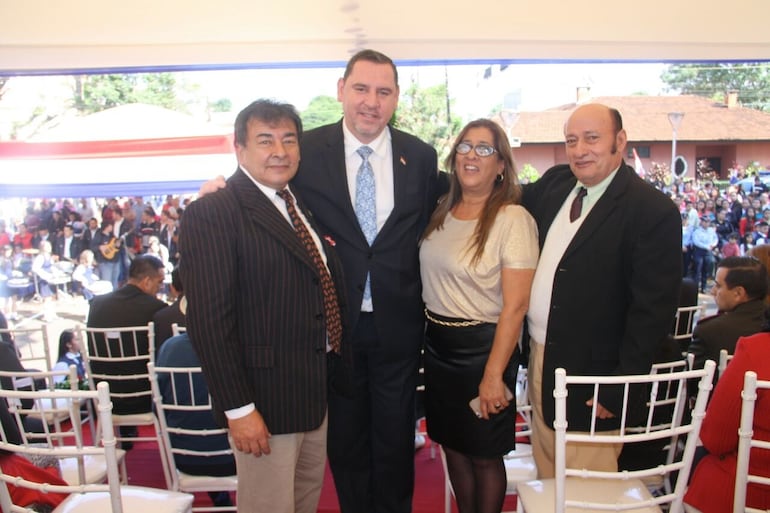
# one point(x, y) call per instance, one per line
point(658, 384)
point(685, 320)
point(747, 442)
point(35, 448)
point(176, 329)
point(32, 345)
point(120, 356)
point(523, 407)
point(724, 359)
point(663, 405)
point(183, 405)
point(44, 418)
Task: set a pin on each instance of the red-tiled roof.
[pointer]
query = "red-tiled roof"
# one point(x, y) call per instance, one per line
point(645, 119)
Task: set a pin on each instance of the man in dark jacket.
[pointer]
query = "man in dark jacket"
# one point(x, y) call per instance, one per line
point(134, 304)
point(740, 287)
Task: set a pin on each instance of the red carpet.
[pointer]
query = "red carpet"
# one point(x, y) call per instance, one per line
point(144, 469)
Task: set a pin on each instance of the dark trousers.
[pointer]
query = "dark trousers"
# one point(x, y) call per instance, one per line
point(687, 263)
point(704, 265)
point(371, 432)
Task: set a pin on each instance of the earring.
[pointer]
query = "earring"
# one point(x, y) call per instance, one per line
point(500, 178)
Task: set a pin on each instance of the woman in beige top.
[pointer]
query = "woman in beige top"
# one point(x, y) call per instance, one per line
point(477, 260)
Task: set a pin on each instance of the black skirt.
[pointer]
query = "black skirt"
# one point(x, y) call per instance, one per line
point(455, 358)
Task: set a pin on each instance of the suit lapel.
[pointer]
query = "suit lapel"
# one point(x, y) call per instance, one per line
point(260, 211)
point(336, 173)
point(601, 212)
point(552, 206)
point(401, 170)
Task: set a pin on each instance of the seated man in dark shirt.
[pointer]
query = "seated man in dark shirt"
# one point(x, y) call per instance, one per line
point(134, 304)
point(179, 352)
point(173, 313)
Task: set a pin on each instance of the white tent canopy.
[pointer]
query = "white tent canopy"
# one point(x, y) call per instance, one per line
point(45, 35)
point(130, 121)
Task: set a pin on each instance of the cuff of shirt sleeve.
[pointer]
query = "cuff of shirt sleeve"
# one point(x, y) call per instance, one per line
point(237, 413)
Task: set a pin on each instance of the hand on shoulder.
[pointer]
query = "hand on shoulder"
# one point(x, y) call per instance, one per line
point(212, 185)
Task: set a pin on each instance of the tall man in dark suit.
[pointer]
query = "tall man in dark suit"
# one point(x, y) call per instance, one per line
point(265, 314)
point(607, 284)
point(371, 433)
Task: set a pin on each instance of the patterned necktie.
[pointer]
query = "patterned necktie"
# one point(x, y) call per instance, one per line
point(577, 205)
point(366, 205)
point(331, 306)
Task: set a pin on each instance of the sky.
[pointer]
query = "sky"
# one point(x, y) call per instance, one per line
point(526, 87)
point(538, 86)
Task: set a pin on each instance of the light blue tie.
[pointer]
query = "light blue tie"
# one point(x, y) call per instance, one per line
point(366, 206)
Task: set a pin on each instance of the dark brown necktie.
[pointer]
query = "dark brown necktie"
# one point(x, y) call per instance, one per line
point(577, 205)
point(331, 306)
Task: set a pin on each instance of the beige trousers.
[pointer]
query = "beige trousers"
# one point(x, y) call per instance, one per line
point(289, 479)
point(603, 457)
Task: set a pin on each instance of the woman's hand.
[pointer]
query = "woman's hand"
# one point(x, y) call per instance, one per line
point(492, 396)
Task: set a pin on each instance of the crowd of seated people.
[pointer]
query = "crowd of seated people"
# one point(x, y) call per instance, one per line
point(92, 245)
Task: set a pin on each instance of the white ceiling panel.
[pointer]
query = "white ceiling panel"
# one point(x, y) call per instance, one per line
point(39, 35)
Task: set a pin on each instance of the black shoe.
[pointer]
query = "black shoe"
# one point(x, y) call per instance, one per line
point(221, 499)
point(128, 432)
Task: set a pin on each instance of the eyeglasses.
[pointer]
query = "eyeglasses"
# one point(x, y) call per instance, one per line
point(482, 150)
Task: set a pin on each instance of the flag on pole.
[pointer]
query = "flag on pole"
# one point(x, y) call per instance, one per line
point(638, 166)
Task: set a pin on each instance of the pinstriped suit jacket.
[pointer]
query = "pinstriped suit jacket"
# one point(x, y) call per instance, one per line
point(255, 307)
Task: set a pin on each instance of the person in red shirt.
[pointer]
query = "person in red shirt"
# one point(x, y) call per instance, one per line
point(5, 238)
point(731, 247)
point(23, 237)
point(712, 487)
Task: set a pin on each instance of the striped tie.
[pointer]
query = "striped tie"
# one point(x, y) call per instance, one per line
point(331, 305)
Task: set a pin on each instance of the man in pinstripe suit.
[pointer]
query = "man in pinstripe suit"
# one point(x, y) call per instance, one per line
point(256, 315)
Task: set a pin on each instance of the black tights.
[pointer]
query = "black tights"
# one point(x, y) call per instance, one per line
point(479, 483)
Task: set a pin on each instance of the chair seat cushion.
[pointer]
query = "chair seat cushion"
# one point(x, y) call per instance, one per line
point(95, 466)
point(193, 483)
point(538, 496)
point(133, 419)
point(519, 466)
point(136, 499)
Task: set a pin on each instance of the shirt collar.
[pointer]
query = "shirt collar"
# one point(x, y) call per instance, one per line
point(268, 191)
point(597, 190)
point(378, 145)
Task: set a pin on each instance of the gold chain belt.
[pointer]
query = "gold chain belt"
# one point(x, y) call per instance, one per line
point(452, 324)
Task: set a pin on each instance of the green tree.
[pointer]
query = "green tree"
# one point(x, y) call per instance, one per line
point(426, 113)
point(713, 80)
point(528, 173)
point(94, 93)
point(221, 105)
point(322, 110)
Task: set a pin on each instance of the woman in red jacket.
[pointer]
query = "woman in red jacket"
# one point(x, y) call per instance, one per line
point(712, 487)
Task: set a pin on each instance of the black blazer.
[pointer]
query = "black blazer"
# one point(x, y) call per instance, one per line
point(75, 248)
point(723, 330)
point(127, 306)
point(255, 307)
point(616, 288)
point(163, 320)
point(393, 259)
